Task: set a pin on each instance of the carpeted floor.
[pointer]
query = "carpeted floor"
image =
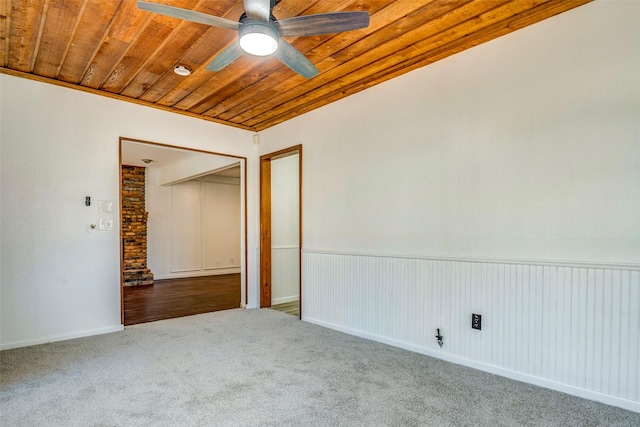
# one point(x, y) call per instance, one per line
point(261, 367)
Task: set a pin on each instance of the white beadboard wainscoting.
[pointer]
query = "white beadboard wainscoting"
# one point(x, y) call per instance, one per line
point(285, 274)
point(569, 327)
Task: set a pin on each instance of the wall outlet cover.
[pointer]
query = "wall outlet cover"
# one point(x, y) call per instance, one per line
point(476, 321)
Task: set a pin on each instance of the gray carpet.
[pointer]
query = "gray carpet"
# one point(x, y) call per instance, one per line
point(262, 367)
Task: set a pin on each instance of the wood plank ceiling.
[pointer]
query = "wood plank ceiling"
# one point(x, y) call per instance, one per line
point(112, 48)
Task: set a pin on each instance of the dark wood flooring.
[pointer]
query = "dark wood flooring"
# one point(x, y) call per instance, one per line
point(170, 298)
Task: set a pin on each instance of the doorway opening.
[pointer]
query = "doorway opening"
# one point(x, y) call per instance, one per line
point(281, 230)
point(196, 248)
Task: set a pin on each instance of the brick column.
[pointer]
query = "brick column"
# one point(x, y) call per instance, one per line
point(134, 227)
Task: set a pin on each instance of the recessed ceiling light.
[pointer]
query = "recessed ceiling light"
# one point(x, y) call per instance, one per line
point(147, 161)
point(181, 70)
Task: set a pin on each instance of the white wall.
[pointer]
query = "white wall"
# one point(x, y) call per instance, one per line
point(285, 200)
point(192, 167)
point(221, 214)
point(60, 279)
point(202, 240)
point(285, 229)
point(521, 151)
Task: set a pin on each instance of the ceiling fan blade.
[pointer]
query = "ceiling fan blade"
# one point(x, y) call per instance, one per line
point(226, 57)
point(323, 23)
point(294, 59)
point(189, 15)
point(258, 9)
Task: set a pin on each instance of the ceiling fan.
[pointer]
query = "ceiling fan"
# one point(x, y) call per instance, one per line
point(260, 33)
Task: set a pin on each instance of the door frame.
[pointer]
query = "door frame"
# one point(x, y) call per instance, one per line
point(265, 222)
point(243, 183)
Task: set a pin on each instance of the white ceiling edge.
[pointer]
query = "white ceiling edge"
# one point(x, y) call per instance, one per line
point(177, 165)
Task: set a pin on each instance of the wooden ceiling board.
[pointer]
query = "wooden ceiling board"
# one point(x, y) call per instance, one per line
point(5, 24)
point(112, 48)
point(320, 55)
point(87, 38)
point(140, 50)
point(243, 74)
point(171, 88)
point(259, 86)
point(243, 68)
point(23, 33)
point(170, 52)
point(128, 24)
point(55, 36)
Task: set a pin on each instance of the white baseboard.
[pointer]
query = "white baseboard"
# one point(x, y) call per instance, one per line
point(284, 300)
point(441, 354)
point(62, 337)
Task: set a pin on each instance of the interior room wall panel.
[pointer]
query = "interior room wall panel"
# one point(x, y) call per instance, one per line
point(60, 278)
point(194, 227)
point(504, 179)
point(221, 212)
point(285, 229)
point(285, 274)
point(568, 327)
point(186, 227)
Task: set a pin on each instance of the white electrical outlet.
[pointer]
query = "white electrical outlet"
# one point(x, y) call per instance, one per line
point(105, 224)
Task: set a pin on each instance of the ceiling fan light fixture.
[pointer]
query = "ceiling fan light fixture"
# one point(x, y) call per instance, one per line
point(259, 39)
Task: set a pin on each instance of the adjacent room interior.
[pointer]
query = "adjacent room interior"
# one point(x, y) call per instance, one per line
point(182, 229)
point(463, 231)
point(280, 230)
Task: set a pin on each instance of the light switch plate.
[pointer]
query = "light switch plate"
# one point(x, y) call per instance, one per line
point(106, 224)
point(106, 206)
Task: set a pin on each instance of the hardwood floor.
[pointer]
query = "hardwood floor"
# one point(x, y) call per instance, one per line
point(292, 308)
point(171, 298)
